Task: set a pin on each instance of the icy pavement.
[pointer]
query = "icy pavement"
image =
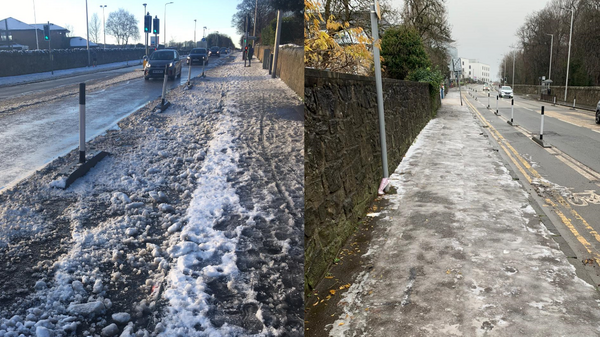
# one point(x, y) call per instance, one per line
point(459, 250)
point(192, 227)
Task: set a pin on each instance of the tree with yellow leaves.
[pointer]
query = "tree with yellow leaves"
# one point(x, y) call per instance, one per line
point(332, 45)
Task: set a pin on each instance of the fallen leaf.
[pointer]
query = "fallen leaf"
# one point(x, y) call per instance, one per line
point(342, 323)
point(332, 292)
point(366, 309)
point(328, 276)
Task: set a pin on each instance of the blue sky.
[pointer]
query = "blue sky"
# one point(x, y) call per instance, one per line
point(180, 15)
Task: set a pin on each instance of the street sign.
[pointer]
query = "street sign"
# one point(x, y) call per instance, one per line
point(203, 39)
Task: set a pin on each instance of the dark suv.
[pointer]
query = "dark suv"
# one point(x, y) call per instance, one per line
point(161, 59)
point(214, 51)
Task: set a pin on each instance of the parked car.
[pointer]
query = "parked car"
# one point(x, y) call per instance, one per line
point(214, 51)
point(155, 67)
point(198, 55)
point(505, 91)
point(598, 113)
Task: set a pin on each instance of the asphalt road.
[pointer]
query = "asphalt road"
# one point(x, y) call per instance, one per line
point(36, 134)
point(564, 176)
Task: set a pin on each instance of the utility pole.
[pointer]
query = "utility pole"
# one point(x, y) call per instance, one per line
point(551, 43)
point(37, 44)
point(87, 28)
point(569, 55)
point(194, 44)
point(255, 13)
point(104, 24)
point(165, 23)
point(146, 33)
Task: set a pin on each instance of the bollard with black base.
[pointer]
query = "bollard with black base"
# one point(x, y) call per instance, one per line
point(203, 64)
point(164, 104)
point(82, 123)
point(488, 100)
point(540, 139)
point(188, 84)
point(497, 113)
point(512, 112)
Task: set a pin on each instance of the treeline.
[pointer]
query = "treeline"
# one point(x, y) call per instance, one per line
point(266, 20)
point(414, 40)
point(532, 57)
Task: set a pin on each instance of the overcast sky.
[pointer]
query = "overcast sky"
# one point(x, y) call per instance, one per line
point(216, 15)
point(485, 29)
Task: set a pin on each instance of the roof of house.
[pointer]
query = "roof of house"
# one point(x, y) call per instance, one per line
point(14, 24)
point(79, 42)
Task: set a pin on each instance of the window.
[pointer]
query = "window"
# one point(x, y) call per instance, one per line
point(469, 67)
point(3, 36)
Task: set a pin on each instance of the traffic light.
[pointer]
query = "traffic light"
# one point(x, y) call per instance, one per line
point(46, 32)
point(156, 25)
point(147, 23)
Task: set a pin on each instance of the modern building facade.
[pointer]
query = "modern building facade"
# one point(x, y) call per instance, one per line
point(474, 70)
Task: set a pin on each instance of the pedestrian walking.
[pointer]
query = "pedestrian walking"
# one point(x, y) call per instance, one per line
point(250, 53)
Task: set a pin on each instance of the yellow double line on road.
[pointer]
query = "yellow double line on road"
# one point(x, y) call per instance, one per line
point(529, 172)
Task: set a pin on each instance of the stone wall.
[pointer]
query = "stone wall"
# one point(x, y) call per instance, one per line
point(343, 153)
point(36, 61)
point(587, 96)
point(290, 66)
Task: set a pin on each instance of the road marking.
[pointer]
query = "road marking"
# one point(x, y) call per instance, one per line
point(521, 161)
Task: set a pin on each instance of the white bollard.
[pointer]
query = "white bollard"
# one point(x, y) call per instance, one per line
point(512, 110)
point(164, 90)
point(82, 123)
point(203, 64)
point(574, 99)
point(542, 125)
point(189, 73)
point(554, 101)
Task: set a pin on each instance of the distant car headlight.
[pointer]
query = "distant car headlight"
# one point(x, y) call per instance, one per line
point(170, 64)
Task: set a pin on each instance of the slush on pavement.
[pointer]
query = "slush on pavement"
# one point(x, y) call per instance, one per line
point(460, 251)
point(193, 226)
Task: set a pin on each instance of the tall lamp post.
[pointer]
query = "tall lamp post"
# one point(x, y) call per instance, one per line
point(194, 33)
point(37, 44)
point(103, 25)
point(513, 77)
point(551, 43)
point(165, 24)
point(204, 32)
point(87, 28)
point(569, 55)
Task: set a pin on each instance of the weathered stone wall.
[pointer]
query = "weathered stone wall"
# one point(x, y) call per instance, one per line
point(290, 66)
point(588, 96)
point(36, 61)
point(343, 153)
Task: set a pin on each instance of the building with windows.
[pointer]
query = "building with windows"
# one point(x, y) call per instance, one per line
point(20, 35)
point(474, 70)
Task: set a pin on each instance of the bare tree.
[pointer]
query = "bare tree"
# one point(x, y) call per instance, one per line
point(70, 29)
point(123, 26)
point(94, 28)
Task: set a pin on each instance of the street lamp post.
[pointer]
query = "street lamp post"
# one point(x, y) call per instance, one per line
point(255, 14)
point(103, 25)
point(551, 43)
point(204, 31)
point(37, 44)
point(569, 55)
point(217, 37)
point(513, 77)
point(87, 28)
point(194, 33)
point(165, 24)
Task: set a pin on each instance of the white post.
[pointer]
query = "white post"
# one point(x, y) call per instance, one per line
point(203, 64)
point(551, 43)
point(164, 89)
point(542, 125)
point(554, 101)
point(82, 123)
point(569, 55)
point(276, 48)
point(496, 104)
point(189, 72)
point(512, 110)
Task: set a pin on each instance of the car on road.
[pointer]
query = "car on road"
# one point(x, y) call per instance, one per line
point(598, 113)
point(161, 59)
point(223, 51)
point(486, 87)
point(504, 91)
point(215, 51)
point(198, 55)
